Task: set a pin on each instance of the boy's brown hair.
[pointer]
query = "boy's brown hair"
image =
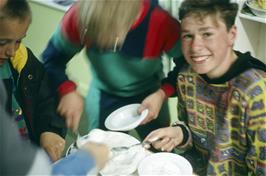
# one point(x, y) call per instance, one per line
point(224, 9)
point(15, 9)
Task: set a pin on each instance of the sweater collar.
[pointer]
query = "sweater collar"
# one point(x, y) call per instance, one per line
point(243, 62)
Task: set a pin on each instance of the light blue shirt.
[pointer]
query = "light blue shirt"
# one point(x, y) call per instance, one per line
point(78, 163)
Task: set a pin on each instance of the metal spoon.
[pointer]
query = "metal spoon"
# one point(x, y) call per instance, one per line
point(125, 148)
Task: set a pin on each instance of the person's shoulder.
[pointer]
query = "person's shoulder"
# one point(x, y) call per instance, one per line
point(252, 70)
point(255, 74)
point(161, 14)
point(249, 80)
point(25, 59)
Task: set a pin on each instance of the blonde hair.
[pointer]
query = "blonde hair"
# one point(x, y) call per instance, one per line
point(106, 22)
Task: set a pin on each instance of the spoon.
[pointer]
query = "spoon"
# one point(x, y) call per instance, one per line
point(144, 144)
point(125, 148)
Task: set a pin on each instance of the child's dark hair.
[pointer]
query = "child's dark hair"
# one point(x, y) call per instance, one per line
point(226, 10)
point(15, 9)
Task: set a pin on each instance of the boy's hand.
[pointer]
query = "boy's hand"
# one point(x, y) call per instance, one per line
point(71, 107)
point(169, 137)
point(153, 103)
point(53, 144)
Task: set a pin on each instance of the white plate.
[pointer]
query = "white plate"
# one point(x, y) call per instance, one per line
point(164, 164)
point(125, 118)
point(121, 164)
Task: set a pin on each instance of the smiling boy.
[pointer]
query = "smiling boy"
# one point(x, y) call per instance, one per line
point(221, 96)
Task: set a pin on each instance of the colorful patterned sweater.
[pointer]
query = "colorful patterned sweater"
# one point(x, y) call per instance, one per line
point(226, 117)
point(133, 69)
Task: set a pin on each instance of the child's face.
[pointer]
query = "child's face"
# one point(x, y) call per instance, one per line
point(207, 45)
point(12, 31)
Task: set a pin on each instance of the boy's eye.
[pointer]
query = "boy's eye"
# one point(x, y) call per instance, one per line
point(207, 34)
point(186, 36)
point(3, 42)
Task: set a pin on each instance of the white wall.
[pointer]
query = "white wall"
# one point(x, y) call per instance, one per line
point(251, 36)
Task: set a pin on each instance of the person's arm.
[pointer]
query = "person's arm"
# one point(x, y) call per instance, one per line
point(20, 157)
point(168, 88)
point(153, 103)
point(48, 127)
point(178, 135)
point(63, 45)
point(171, 48)
point(256, 130)
point(17, 155)
point(47, 102)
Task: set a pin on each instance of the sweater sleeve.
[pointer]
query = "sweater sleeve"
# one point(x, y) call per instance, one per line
point(44, 115)
point(63, 45)
point(256, 129)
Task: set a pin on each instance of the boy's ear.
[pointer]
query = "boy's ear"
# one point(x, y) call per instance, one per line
point(232, 35)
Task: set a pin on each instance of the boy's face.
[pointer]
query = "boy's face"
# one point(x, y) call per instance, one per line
point(12, 31)
point(207, 45)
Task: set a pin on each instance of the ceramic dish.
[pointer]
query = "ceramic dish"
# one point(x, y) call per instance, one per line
point(124, 163)
point(164, 164)
point(125, 118)
point(254, 7)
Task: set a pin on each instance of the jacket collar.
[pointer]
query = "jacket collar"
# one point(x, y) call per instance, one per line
point(20, 59)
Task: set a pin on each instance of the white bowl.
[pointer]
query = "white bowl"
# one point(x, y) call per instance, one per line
point(254, 7)
point(164, 163)
point(125, 118)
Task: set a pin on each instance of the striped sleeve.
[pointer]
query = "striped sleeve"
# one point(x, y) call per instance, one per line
point(63, 45)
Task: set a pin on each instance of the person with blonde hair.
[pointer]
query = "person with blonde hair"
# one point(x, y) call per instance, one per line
point(124, 41)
